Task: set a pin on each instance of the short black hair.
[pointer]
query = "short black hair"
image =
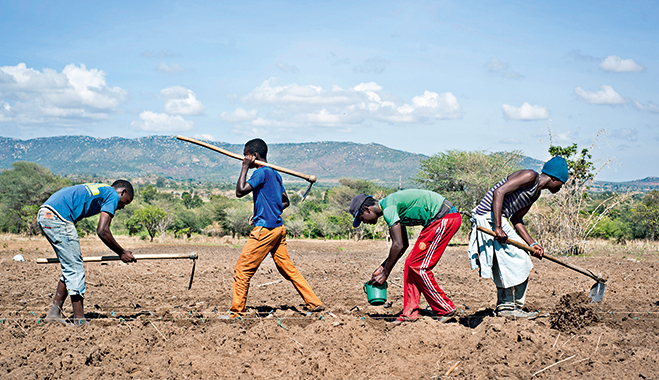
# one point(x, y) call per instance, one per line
point(257, 146)
point(123, 184)
point(368, 202)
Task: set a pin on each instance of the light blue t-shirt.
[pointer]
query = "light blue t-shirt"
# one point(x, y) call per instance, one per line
point(81, 201)
point(268, 189)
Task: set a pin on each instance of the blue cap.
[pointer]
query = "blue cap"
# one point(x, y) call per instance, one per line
point(557, 168)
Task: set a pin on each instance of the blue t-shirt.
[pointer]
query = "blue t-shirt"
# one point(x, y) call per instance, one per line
point(268, 189)
point(80, 201)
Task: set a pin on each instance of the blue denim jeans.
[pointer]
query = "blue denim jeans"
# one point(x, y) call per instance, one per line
point(62, 235)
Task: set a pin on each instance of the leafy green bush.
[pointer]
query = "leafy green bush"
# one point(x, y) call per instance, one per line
point(26, 184)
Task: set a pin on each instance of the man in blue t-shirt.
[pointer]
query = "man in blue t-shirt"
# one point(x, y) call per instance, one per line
point(268, 235)
point(57, 218)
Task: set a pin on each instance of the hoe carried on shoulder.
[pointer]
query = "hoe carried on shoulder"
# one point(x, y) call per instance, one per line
point(310, 178)
point(157, 256)
point(596, 291)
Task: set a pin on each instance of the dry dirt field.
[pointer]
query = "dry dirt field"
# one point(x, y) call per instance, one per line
point(146, 324)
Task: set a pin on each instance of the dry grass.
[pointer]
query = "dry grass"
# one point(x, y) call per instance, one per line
point(639, 250)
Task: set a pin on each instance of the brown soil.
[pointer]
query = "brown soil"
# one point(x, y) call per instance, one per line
point(146, 324)
point(574, 312)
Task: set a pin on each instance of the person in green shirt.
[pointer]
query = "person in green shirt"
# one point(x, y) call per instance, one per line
point(440, 221)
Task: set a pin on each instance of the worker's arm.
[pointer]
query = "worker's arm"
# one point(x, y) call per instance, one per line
point(516, 181)
point(104, 233)
point(285, 202)
point(399, 244)
point(518, 222)
point(242, 187)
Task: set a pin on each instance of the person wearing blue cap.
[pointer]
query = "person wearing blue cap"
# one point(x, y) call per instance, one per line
point(413, 207)
point(506, 264)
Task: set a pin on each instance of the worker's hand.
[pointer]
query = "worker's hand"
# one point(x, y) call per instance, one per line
point(501, 236)
point(251, 220)
point(127, 257)
point(248, 161)
point(379, 276)
point(538, 251)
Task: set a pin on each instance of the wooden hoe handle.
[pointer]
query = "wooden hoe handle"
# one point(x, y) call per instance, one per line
point(93, 259)
point(546, 256)
point(310, 178)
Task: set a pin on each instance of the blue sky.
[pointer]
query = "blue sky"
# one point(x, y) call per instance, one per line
point(423, 77)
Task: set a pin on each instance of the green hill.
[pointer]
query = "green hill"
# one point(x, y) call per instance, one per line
point(168, 157)
point(165, 156)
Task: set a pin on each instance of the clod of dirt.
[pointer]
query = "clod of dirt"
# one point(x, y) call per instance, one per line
point(573, 313)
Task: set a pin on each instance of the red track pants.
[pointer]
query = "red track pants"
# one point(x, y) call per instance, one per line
point(419, 278)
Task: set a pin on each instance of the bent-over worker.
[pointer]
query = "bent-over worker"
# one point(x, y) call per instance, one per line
point(506, 264)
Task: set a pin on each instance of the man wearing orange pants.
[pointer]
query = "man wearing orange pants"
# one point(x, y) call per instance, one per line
point(410, 208)
point(268, 235)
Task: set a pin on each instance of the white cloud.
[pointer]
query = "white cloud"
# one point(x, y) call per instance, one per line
point(74, 95)
point(649, 108)
point(238, 115)
point(269, 93)
point(161, 122)
point(297, 106)
point(525, 112)
point(605, 96)
point(286, 68)
point(432, 104)
point(565, 137)
point(181, 101)
point(615, 64)
point(169, 69)
point(205, 136)
point(502, 68)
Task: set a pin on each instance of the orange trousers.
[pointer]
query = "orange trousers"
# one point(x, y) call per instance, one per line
point(261, 242)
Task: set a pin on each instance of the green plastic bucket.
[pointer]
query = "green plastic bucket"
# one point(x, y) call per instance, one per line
point(376, 294)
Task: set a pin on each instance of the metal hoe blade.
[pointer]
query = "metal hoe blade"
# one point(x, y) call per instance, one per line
point(597, 292)
point(307, 192)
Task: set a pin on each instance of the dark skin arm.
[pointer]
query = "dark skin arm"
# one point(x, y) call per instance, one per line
point(285, 202)
point(399, 245)
point(516, 181)
point(104, 233)
point(242, 187)
point(518, 223)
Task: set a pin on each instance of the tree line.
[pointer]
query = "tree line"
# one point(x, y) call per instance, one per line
point(562, 221)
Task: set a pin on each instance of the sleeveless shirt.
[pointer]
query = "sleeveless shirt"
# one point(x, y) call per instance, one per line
point(512, 202)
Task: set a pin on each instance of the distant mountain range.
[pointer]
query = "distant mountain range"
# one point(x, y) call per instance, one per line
point(170, 158)
point(645, 184)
